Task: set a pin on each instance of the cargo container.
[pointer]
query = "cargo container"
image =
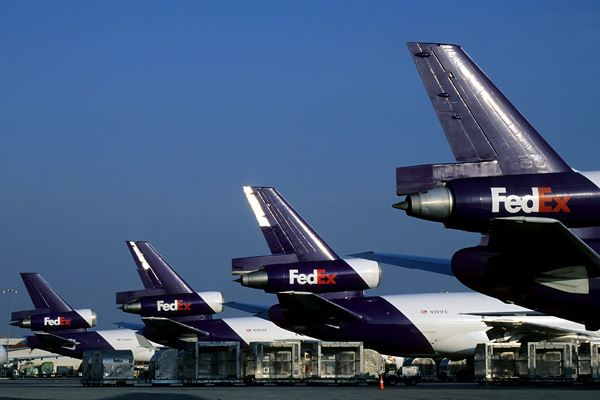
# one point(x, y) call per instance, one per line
point(552, 362)
point(588, 362)
point(279, 362)
point(373, 366)
point(542, 362)
point(333, 362)
point(164, 368)
point(500, 362)
point(211, 362)
point(107, 368)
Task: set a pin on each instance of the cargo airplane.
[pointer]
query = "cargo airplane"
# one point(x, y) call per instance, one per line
point(539, 218)
point(64, 330)
point(174, 314)
point(322, 295)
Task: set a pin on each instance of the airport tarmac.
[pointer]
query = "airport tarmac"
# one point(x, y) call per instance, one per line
point(71, 389)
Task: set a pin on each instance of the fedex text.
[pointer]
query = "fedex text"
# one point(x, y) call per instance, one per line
point(177, 305)
point(540, 200)
point(60, 321)
point(318, 277)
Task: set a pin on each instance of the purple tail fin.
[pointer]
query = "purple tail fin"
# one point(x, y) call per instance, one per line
point(155, 272)
point(157, 276)
point(487, 134)
point(42, 295)
point(284, 229)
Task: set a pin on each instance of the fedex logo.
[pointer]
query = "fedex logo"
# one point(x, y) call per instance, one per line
point(318, 277)
point(177, 305)
point(60, 321)
point(540, 200)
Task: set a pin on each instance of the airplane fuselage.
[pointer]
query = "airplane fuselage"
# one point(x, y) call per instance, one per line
point(419, 325)
point(243, 330)
point(470, 204)
point(116, 339)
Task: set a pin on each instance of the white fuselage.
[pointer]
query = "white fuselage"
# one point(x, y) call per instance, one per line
point(444, 319)
point(127, 339)
point(254, 329)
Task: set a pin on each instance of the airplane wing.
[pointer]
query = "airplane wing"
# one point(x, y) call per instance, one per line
point(259, 311)
point(478, 120)
point(167, 328)
point(315, 308)
point(524, 313)
point(516, 330)
point(53, 341)
point(437, 265)
point(545, 250)
point(129, 325)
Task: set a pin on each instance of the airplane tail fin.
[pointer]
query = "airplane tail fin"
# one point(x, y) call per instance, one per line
point(288, 236)
point(487, 134)
point(42, 295)
point(157, 276)
point(300, 260)
point(51, 311)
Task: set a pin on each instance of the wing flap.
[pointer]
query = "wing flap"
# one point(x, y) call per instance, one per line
point(168, 328)
point(552, 253)
point(53, 341)
point(315, 308)
point(517, 330)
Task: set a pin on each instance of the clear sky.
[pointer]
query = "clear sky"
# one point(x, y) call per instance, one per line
point(142, 120)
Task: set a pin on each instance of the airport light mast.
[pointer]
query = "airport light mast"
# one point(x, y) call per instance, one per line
point(8, 291)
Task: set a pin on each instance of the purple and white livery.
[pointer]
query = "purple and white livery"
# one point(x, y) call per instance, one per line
point(434, 325)
point(65, 330)
point(174, 314)
point(540, 219)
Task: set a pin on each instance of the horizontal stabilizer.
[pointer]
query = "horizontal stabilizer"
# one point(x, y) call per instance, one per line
point(18, 315)
point(53, 341)
point(168, 329)
point(126, 297)
point(437, 265)
point(315, 308)
point(240, 266)
point(418, 178)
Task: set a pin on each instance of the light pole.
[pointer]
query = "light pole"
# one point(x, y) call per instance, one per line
point(8, 291)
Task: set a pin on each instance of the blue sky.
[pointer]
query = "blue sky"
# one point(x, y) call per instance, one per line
point(142, 120)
